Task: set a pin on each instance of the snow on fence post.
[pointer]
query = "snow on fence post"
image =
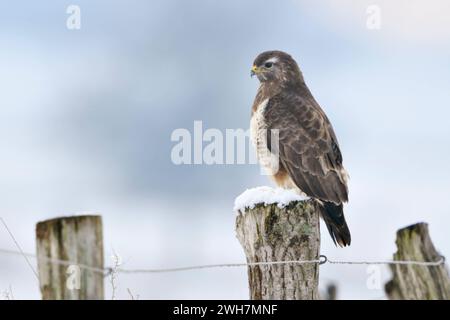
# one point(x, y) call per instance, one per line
point(417, 282)
point(279, 225)
point(77, 239)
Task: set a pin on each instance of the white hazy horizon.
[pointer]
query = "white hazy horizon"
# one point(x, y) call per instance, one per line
point(86, 118)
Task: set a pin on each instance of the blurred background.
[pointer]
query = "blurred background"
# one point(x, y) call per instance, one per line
point(86, 118)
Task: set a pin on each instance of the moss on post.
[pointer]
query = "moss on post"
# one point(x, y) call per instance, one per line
point(417, 282)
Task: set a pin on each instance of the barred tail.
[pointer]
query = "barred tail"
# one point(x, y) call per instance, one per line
point(333, 215)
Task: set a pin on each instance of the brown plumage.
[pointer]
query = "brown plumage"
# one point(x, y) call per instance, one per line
point(309, 158)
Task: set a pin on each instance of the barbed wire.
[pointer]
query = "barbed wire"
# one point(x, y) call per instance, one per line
point(323, 259)
point(441, 261)
point(222, 265)
point(54, 260)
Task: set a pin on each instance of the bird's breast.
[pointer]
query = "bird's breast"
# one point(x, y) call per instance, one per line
point(269, 162)
point(258, 126)
point(258, 133)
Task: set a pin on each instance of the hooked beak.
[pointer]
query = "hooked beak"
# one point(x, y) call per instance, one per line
point(254, 71)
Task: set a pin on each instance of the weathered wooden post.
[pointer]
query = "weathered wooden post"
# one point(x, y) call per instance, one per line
point(279, 225)
point(417, 282)
point(76, 239)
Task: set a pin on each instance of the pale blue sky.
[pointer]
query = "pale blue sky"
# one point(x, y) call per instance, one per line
point(86, 118)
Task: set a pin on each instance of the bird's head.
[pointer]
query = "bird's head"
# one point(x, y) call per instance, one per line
point(276, 66)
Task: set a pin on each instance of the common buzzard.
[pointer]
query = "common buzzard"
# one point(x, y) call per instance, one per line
point(308, 155)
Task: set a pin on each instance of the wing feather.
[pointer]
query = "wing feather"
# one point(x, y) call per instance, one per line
point(308, 147)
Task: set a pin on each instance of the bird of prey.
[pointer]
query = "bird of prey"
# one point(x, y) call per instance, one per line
point(308, 156)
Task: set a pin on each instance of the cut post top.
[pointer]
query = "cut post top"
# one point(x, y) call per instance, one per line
point(267, 196)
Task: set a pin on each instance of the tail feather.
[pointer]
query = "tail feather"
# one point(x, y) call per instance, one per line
point(333, 215)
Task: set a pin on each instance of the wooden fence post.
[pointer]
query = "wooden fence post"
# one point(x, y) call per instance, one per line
point(415, 282)
point(271, 233)
point(76, 239)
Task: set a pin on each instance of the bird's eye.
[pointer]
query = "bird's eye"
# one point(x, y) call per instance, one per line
point(268, 64)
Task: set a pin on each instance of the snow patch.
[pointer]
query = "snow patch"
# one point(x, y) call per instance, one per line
point(267, 195)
